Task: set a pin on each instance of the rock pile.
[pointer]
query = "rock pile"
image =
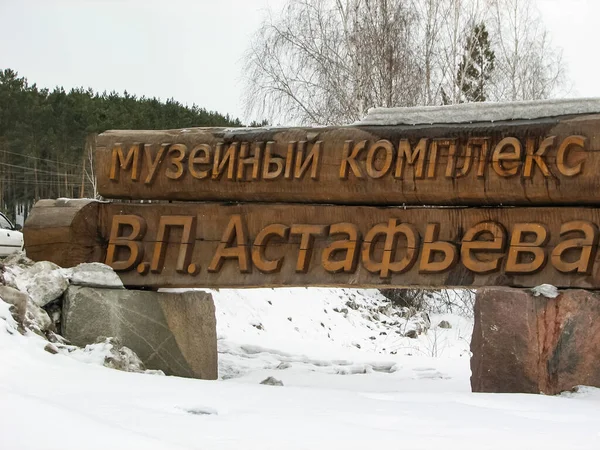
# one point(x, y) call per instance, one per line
point(35, 291)
point(75, 308)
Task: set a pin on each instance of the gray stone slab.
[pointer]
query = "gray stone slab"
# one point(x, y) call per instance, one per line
point(172, 332)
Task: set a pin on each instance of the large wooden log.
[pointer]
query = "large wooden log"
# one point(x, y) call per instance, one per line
point(64, 231)
point(253, 245)
point(527, 162)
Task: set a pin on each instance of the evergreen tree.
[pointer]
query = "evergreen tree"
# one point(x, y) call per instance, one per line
point(43, 135)
point(476, 66)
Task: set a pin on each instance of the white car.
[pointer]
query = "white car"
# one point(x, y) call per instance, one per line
point(11, 239)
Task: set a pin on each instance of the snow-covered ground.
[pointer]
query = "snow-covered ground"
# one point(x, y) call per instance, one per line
point(350, 380)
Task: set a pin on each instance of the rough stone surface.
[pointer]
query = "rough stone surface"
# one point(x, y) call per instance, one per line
point(444, 324)
point(26, 312)
point(51, 348)
point(17, 259)
point(37, 319)
point(118, 356)
point(94, 275)
point(413, 334)
point(16, 298)
point(528, 344)
point(42, 266)
point(271, 381)
point(44, 282)
point(172, 332)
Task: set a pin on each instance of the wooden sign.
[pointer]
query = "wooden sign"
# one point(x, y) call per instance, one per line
point(535, 162)
point(255, 245)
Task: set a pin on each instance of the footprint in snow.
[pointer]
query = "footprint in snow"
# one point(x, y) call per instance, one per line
point(430, 374)
point(200, 411)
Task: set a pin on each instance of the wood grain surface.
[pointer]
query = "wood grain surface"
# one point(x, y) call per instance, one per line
point(267, 245)
point(553, 161)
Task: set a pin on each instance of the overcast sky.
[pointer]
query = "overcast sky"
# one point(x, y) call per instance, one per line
point(192, 50)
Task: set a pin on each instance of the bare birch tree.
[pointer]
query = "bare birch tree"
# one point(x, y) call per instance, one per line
point(431, 15)
point(89, 170)
point(329, 61)
point(528, 66)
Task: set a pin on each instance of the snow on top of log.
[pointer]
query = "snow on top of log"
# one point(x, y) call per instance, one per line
point(481, 112)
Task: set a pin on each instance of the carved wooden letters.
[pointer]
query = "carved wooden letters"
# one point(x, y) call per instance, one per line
point(246, 245)
point(535, 162)
point(302, 220)
point(387, 248)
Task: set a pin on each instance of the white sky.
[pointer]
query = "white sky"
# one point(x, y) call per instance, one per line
point(192, 50)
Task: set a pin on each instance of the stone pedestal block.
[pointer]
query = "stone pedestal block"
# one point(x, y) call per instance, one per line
point(172, 332)
point(528, 344)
